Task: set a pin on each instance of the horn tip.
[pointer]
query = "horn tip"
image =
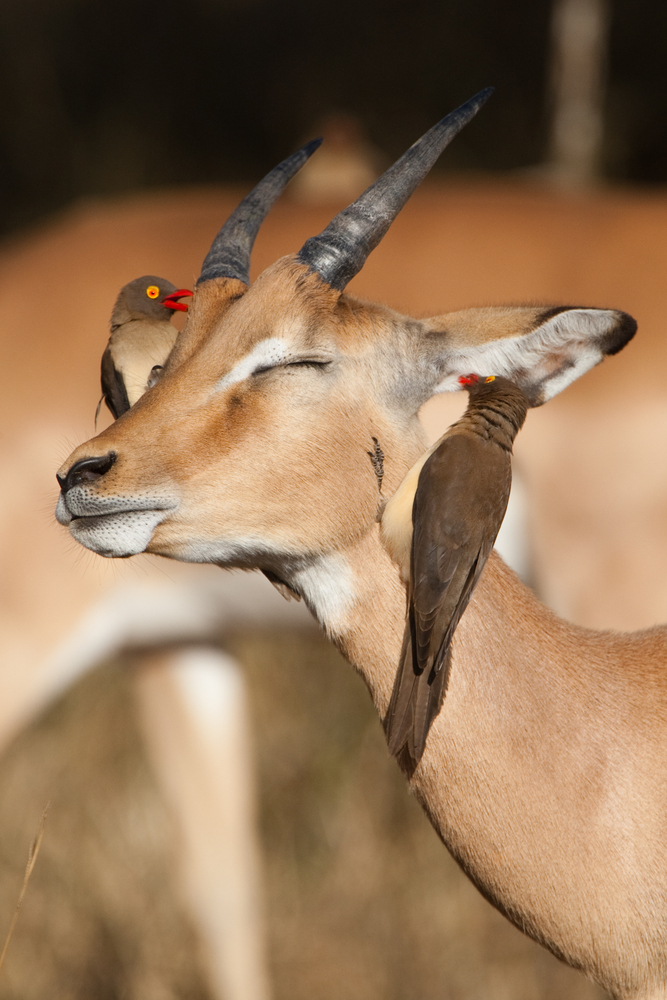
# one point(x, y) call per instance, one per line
point(462, 115)
point(479, 99)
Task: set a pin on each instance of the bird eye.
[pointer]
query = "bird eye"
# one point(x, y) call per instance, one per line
point(490, 378)
point(152, 291)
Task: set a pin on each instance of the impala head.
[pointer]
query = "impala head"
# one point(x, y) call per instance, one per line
point(287, 408)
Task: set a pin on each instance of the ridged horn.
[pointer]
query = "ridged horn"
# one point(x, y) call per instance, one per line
point(229, 256)
point(340, 251)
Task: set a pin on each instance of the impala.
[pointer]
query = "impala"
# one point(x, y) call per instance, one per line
point(285, 415)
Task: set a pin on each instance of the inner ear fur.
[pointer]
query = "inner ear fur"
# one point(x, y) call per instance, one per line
point(541, 348)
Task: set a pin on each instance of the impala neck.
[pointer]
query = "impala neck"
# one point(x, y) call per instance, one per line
point(358, 598)
point(367, 621)
point(541, 771)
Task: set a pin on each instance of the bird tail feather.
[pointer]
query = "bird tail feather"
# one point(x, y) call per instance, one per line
point(428, 702)
point(398, 720)
point(415, 701)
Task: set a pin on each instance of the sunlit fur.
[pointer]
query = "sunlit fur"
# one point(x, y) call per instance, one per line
point(544, 773)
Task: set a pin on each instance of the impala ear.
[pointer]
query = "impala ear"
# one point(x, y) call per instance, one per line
point(542, 349)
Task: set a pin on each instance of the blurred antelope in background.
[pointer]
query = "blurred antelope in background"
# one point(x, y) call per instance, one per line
point(543, 773)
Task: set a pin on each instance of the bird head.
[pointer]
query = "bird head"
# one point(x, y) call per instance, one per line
point(499, 392)
point(141, 339)
point(148, 297)
point(478, 383)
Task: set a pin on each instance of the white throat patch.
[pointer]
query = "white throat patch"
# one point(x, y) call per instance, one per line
point(328, 589)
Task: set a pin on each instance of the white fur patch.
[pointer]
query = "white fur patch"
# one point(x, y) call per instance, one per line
point(553, 355)
point(326, 582)
point(116, 535)
point(109, 525)
point(82, 501)
point(63, 516)
point(327, 585)
point(241, 551)
point(266, 354)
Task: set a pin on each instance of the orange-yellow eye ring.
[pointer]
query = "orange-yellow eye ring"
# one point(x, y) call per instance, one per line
point(490, 378)
point(152, 291)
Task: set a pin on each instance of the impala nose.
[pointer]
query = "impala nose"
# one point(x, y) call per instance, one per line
point(87, 470)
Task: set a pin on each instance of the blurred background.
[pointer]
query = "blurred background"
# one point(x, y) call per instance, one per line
point(101, 96)
point(129, 130)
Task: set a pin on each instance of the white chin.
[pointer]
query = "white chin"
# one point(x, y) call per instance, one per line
point(117, 535)
point(63, 515)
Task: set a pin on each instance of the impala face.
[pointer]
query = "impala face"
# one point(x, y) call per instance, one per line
point(287, 411)
point(268, 382)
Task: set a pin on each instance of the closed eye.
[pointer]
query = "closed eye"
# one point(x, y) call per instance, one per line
point(270, 354)
point(308, 363)
point(302, 363)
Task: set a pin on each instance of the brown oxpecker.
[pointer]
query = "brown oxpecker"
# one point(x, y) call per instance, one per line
point(141, 339)
point(439, 528)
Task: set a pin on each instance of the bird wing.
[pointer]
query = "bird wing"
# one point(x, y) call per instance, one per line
point(458, 508)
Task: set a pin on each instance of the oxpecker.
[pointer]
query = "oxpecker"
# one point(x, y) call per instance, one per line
point(141, 339)
point(439, 528)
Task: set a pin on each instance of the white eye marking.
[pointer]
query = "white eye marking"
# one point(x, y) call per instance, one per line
point(266, 354)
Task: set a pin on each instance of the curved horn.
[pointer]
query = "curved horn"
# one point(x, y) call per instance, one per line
point(229, 256)
point(340, 251)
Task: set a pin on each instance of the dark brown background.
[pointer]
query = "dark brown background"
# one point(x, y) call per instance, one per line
point(99, 96)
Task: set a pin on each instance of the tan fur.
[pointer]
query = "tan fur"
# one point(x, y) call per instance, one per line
point(544, 773)
point(470, 326)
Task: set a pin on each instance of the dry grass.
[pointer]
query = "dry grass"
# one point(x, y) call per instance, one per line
point(99, 919)
point(32, 859)
point(363, 900)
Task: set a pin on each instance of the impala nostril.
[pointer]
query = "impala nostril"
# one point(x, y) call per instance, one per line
point(87, 470)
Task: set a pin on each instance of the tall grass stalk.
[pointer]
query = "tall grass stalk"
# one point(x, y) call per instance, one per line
point(32, 858)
